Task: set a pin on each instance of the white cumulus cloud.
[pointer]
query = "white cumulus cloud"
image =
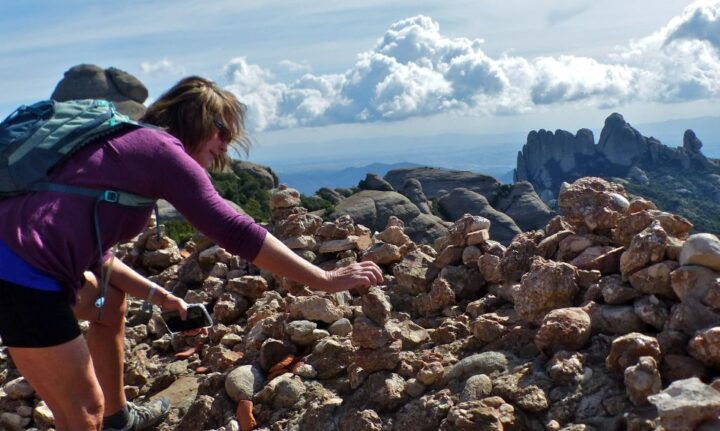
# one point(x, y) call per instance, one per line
point(292, 66)
point(414, 70)
point(700, 21)
point(161, 67)
point(681, 61)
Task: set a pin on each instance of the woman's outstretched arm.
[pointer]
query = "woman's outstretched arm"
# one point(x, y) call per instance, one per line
point(277, 258)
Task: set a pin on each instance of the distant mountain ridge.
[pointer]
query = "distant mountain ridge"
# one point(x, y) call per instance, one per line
point(308, 182)
point(549, 159)
point(679, 179)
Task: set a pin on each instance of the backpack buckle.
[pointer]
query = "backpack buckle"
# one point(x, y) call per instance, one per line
point(110, 196)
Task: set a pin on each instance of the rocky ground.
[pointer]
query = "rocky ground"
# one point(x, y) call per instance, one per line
point(607, 319)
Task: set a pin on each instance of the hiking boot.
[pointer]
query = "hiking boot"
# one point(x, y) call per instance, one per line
point(145, 416)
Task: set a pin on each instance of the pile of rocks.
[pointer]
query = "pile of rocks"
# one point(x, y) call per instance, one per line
point(578, 326)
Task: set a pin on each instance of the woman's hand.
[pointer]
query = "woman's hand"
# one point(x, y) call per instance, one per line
point(172, 303)
point(356, 275)
point(274, 256)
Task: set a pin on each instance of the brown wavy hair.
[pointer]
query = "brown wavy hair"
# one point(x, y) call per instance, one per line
point(193, 109)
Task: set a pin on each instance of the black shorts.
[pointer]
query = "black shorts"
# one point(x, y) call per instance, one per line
point(35, 318)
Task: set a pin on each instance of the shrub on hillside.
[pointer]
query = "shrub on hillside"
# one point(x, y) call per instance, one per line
point(252, 195)
point(697, 204)
point(179, 230)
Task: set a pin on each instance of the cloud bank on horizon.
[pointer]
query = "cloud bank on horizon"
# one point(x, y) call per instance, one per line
point(414, 70)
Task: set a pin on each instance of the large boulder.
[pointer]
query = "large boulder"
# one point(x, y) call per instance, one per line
point(87, 81)
point(593, 203)
point(413, 190)
point(524, 206)
point(701, 249)
point(433, 180)
point(519, 201)
point(374, 182)
point(462, 201)
point(373, 208)
point(264, 174)
point(547, 286)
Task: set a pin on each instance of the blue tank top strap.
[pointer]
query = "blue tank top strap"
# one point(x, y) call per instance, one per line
point(15, 270)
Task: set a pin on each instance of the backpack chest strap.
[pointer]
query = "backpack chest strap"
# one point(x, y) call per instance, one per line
point(111, 196)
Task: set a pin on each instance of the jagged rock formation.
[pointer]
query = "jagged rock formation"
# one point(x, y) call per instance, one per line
point(622, 145)
point(610, 310)
point(546, 153)
point(548, 159)
point(87, 81)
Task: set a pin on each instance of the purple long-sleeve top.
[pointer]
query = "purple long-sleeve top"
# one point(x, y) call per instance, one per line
point(54, 232)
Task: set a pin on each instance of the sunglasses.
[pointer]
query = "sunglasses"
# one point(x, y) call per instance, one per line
point(224, 132)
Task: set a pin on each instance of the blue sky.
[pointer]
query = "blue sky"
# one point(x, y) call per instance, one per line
point(336, 70)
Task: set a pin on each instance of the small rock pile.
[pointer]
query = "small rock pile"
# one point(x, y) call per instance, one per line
point(576, 327)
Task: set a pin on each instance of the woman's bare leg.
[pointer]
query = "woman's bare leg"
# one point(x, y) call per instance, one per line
point(64, 377)
point(105, 340)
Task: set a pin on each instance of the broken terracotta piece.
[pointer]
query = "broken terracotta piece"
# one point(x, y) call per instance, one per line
point(244, 415)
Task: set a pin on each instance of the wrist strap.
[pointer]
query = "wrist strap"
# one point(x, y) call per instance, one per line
point(147, 304)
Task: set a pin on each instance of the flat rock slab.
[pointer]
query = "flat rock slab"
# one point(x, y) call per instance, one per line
point(686, 403)
point(480, 363)
point(181, 393)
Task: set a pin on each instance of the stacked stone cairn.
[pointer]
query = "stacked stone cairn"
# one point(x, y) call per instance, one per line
point(607, 319)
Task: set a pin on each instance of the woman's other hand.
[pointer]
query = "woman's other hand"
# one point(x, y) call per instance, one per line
point(173, 303)
point(357, 275)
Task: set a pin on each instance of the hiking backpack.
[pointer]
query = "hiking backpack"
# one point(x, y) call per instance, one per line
point(36, 138)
